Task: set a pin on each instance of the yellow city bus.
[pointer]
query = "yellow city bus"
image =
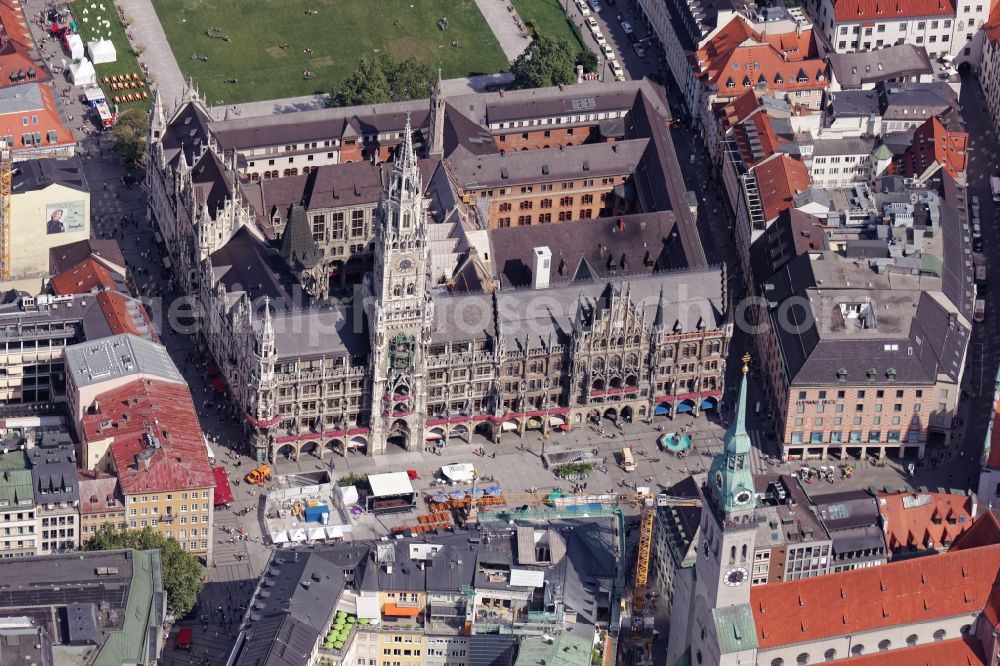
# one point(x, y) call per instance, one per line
point(628, 462)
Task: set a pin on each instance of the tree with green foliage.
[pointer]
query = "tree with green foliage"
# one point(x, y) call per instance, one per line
point(181, 570)
point(381, 79)
point(548, 61)
point(588, 59)
point(129, 136)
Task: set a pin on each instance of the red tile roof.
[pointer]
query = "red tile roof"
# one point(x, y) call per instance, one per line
point(992, 608)
point(899, 593)
point(87, 276)
point(129, 415)
point(738, 109)
point(97, 489)
point(967, 651)
point(106, 252)
point(779, 179)
point(992, 27)
point(740, 56)
point(124, 315)
point(48, 119)
point(933, 142)
point(16, 52)
point(985, 531)
point(890, 10)
point(914, 519)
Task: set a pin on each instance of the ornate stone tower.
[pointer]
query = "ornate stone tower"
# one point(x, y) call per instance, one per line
point(398, 308)
point(436, 140)
point(728, 529)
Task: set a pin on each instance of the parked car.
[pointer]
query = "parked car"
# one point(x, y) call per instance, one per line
point(596, 6)
point(617, 70)
point(980, 311)
point(582, 6)
point(592, 24)
point(600, 38)
point(640, 50)
point(608, 52)
point(627, 27)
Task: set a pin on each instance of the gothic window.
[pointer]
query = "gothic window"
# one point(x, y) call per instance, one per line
point(631, 360)
point(743, 554)
point(409, 289)
point(616, 362)
point(732, 554)
point(406, 220)
point(598, 364)
point(396, 291)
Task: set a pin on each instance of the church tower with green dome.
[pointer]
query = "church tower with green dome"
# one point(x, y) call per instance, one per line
point(726, 538)
point(730, 481)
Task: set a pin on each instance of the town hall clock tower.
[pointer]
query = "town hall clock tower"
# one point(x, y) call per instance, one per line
point(399, 309)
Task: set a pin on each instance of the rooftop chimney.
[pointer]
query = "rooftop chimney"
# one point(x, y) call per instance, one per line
point(542, 268)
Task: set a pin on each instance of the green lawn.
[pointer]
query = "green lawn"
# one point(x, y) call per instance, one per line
point(126, 63)
point(549, 18)
point(339, 34)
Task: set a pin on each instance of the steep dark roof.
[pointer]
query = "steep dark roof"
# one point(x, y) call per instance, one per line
point(32, 175)
point(186, 132)
point(212, 182)
point(613, 246)
point(64, 257)
point(297, 245)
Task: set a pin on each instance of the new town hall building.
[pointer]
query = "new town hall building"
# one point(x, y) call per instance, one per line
point(407, 355)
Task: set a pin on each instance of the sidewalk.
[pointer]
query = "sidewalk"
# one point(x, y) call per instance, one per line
point(452, 87)
point(157, 55)
point(506, 26)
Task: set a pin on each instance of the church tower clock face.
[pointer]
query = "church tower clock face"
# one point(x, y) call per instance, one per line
point(743, 497)
point(735, 577)
point(404, 265)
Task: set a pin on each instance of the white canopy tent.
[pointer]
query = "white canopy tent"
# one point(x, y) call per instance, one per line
point(459, 472)
point(389, 484)
point(317, 534)
point(102, 51)
point(75, 45)
point(82, 73)
point(297, 535)
point(281, 536)
point(335, 532)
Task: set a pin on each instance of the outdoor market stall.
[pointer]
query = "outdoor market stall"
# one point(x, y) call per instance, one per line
point(390, 492)
point(82, 73)
point(102, 51)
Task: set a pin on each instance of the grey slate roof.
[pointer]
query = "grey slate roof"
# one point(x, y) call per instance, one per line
point(892, 62)
point(913, 101)
point(292, 608)
point(850, 146)
point(915, 335)
point(532, 316)
point(18, 99)
point(122, 355)
point(594, 160)
point(630, 244)
point(853, 103)
point(53, 474)
point(31, 175)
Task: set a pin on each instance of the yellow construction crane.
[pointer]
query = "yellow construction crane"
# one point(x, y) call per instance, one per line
point(6, 173)
point(642, 561)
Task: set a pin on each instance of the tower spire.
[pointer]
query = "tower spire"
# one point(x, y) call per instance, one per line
point(408, 160)
point(737, 440)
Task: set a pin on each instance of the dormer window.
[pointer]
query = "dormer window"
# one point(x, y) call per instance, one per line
point(778, 80)
point(730, 83)
point(842, 374)
point(872, 373)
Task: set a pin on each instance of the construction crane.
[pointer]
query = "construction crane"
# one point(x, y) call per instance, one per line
point(6, 174)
